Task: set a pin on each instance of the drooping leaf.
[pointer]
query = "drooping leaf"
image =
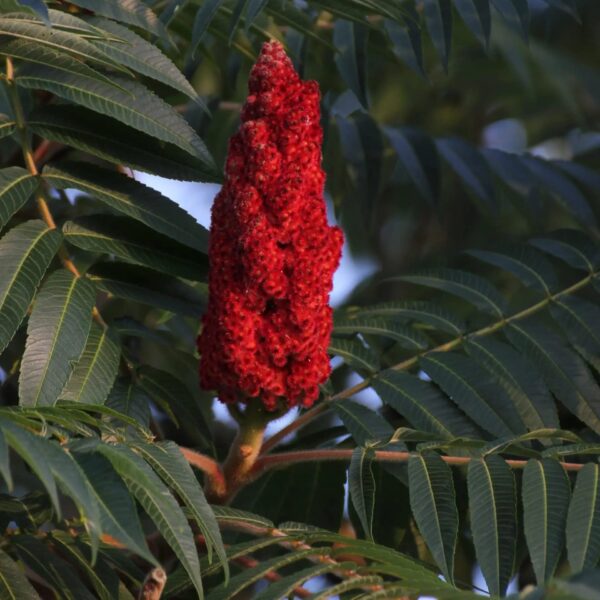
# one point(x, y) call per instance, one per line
point(405, 336)
point(16, 187)
point(571, 246)
point(562, 189)
point(579, 320)
point(167, 460)
point(364, 424)
point(15, 26)
point(134, 243)
point(438, 16)
point(517, 376)
point(13, 582)
point(355, 354)
point(44, 55)
point(26, 252)
point(433, 503)
point(56, 334)
point(472, 169)
point(60, 575)
point(477, 16)
point(528, 265)
point(516, 14)
point(150, 287)
point(135, 105)
point(112, 141)
point(361, 484)
point(546, 495)
point(133, 12)
point(134, 199)
point(406, 43)
point(143, 57)
point(474, 391)
point(420, 159)
point(202, 21)
point(129, 399)
point(118, 513)
point(583, 520)
point(565, 373)
point(32, 449)
point(96, 369)
point(159, 504)
point(421, 404)
point(419, 311)
point(472, 288)
point(350, 39)
point(493, 516)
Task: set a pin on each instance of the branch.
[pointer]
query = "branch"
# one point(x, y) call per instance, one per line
point(264, 463)
point(153, 585)
point(216, 479)
point(31, 163)
point(294, 545)
point(318, 410)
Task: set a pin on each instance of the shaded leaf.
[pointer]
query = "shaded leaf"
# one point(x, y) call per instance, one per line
point(96, 370)
point(135, 105)
point(438, 16)
point(477, 17)
point(16, 187)
point(13, 582)
point(355, 354)
point(26, 252)
point(583, 520)
point(546, 495)
point(56, 334)
point(421, 404)
point(364, 424)
point(405, 336)
point(132, 198)
point(149, 287)
point(350, 39)
point(132, 242)
point(493, 516)
point(361, 484)
point(472, 288)
point(433, 503)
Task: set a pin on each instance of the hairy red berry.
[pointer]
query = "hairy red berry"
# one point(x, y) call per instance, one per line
point(272, 253)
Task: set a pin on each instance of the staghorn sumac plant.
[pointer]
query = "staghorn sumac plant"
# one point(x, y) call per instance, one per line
point(189, 413)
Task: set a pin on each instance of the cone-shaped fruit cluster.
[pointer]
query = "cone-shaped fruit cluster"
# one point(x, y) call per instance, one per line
point(272, 253)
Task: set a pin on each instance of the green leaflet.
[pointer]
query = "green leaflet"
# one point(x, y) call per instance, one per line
point(26, 252)
point(16, 187)
point(546, 494)
point(56, 336)
point(433, 502)
point(134, 105)
point(132, 242)
point(13, 583)
point(361, 484)
point(583, 520)
point(493, 515)
point(96, 369)
point(131, 198)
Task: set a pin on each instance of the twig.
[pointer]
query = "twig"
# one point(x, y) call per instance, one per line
point(153, 585)
point(249, 562)
point(265, 463)
point(31, 164)
point(216, 479)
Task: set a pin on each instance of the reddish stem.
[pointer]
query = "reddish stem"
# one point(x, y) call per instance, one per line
point(216, 482)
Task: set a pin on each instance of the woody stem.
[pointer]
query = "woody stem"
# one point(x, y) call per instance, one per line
point(244, 451)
